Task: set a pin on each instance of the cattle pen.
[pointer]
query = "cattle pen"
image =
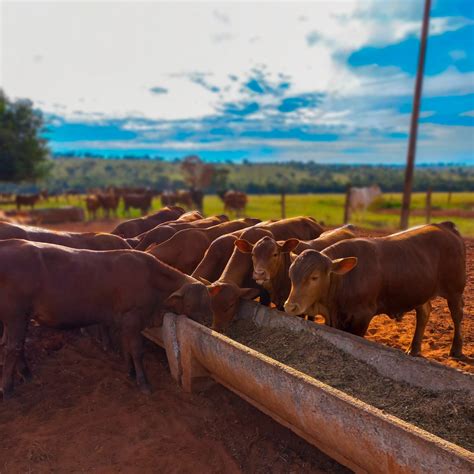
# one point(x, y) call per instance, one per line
point(338, 424)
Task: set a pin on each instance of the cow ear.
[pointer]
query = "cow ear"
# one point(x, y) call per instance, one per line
point(203, 280)
point(289, 245)
point(249, 293)
point(173, 302)
point(243, 245)
point(343, 265)
point(214, 290)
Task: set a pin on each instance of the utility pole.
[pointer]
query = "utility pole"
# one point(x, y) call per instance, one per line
point(405, 213)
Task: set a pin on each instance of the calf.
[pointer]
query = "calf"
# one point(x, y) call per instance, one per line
point(92, 205)
point(134, 227)
point(352, 281)
point(272, 259)
point(26, 200)
point(236, 280)
point(163, 232)
point(219, 252)
point(67, 288)
point(185, 249)
point(77, 240)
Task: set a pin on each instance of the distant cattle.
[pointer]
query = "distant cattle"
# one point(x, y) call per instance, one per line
point(92, 206)
point(361, 198)
point(26, 200)
point(235, 201)
point(109, 203)
point(352, 281)
point(134, 227)
point(140, 201)
point(185, 249)
point(66, 288)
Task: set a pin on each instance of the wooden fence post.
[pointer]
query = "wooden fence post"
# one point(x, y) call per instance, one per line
point(428, 206)
point(347, 204)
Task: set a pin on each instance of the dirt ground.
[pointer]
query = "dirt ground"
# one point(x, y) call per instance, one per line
point(81, 414)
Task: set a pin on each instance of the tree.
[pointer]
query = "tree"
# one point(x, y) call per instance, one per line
point(197, 174)
point(24, 154)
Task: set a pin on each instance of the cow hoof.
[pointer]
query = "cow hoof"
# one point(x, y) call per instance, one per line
point(456, 354)
point(26, 375)
point(413, 353)
point(145, 388)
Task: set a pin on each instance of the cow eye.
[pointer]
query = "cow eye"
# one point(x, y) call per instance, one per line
point(275, 255)
point(314, 278)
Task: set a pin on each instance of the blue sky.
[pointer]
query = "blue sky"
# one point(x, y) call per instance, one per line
point(327, 81)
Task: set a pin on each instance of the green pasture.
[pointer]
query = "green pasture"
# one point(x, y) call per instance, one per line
point(324, 207)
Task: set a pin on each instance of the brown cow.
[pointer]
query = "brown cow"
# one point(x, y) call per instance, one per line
point(235, 201)
point(66, 288)
point(272, 259)
point(134, 227)
point(140, 201)
point(92, 205)
point(26, 200)
point(220, 251)
point(184, 250)
point(236, 278)
point(109, 203)
point(163, 232)
point(352, 281)
point(77, 240)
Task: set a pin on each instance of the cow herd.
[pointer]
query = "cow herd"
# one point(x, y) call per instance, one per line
point(202, 267)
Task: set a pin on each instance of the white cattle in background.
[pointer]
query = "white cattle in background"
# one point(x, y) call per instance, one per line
point(361, 198)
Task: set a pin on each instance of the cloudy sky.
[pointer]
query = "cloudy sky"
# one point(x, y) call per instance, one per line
point(329, 81)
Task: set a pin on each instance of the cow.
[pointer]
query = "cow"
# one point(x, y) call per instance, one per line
point(361, 198)
point(272, 259)
point(235, 201)
point(26, 200)
point(216, 257)
point(92, 205)
point(352, 281)
point(77, 240)
point(163, 232)
point(134, 227)
point(109, 203)
point(122, 288)
point(140, 201)
point(185, 249)
point(236, 278)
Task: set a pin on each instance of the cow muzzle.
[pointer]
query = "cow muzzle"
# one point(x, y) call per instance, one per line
point(292, 308)
point(260, 276)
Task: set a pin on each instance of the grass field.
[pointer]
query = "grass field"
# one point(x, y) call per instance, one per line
point(324, 207)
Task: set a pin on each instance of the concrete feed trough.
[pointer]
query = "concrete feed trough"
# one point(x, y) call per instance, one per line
point(352, 432)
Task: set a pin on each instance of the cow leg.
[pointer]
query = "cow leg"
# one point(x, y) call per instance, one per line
point(133, 347)
point(3, 339)
point(422, 316)
point(456, 306)
point(265, 298)
point(104, 336)
point(13, 354)
point(22, 368)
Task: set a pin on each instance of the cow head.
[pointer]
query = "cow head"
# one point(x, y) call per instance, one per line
point(310, 276)
point(225, 302)
point(193, 300)
point(267, 256)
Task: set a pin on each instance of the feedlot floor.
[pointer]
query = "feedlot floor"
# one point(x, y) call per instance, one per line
point(449, 414)
point(81, 414)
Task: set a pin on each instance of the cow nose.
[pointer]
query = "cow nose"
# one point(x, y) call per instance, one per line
point(259, 274)
point(291, 308)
